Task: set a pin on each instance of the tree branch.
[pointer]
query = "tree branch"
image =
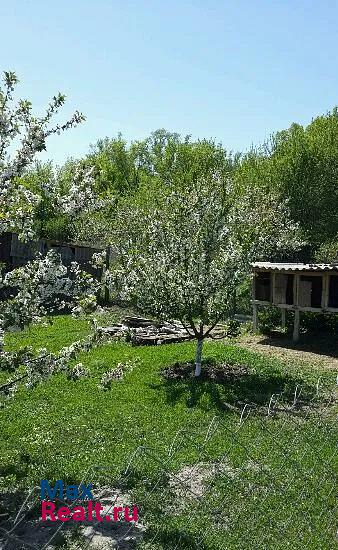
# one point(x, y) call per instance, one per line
point(210, 329)
point(186, 328)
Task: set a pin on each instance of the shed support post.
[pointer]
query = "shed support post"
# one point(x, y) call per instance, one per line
point(283, 318)
point(325, 290)
point(296, 326)
point(255, 317)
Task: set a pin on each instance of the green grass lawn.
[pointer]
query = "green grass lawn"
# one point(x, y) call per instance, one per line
point(276, 490)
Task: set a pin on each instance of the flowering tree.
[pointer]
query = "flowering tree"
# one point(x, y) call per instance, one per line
point(26, 134)
point(181, 254)
point(44, 285)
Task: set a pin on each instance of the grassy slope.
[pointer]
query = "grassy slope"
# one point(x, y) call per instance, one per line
point(62, 428)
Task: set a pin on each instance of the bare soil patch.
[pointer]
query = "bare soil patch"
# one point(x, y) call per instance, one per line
point(30, 532)
point(222, 372)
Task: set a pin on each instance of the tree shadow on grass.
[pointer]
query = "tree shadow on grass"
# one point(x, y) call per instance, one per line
point(226, 387)
point(318, 344)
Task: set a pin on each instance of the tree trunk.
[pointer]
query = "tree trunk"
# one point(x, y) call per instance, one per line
point(104, 272)
point(198, 356)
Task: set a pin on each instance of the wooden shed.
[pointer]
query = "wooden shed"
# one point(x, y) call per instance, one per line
point(295, 286)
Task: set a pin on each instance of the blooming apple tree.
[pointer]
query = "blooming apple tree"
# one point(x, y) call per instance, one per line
point(44, 285)
point(182, 255)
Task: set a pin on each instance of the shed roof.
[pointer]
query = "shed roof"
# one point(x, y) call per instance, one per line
point(281, 266)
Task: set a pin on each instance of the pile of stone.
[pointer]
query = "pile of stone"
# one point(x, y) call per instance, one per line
point(142, 331)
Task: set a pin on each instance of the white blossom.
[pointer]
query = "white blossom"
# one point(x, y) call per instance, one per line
point(183, 257)
point(43, 286)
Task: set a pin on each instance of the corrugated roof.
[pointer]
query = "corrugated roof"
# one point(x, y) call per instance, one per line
point(281, 266)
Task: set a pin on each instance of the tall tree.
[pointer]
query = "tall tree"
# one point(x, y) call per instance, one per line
point(301, 164)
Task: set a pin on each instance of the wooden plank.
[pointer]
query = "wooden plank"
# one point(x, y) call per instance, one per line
point(272, 287)
point(291, 272)
point(305, 289)
point(280, 288)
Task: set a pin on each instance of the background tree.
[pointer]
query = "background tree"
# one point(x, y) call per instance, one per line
point(301, 164)
point(122, 170)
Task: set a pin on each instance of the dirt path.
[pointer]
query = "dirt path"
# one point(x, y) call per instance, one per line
point(315, 353)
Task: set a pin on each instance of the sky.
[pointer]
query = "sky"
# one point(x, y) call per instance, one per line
point(235, 71)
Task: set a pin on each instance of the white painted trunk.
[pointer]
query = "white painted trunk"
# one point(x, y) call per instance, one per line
point(198, 357)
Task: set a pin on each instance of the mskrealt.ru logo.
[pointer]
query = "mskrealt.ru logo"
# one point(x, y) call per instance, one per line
point(90, 511)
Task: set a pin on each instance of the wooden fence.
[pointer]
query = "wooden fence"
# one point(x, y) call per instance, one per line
point(14, 253)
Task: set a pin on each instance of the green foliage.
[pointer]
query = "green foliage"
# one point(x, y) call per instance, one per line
point(311, 323)
point(117, 171)
point(298, 166)
point(233, 329)
point(270, 318)
point(244, 296)
point(182, 161)
point(122, 168)
point(328, 251)
point(49, 223)
point(316, 324)
point(301, 164)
